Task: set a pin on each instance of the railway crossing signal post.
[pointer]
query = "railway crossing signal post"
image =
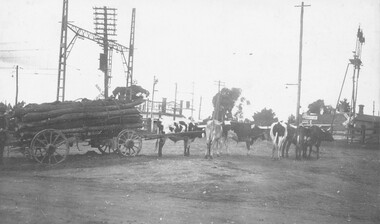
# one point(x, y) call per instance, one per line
point(357, 63)
point(300, 66)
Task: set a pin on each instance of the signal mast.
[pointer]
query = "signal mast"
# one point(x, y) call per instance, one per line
point(357, 63)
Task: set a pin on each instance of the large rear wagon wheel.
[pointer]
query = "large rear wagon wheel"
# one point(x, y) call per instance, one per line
point(129, 143)
point(49, 147)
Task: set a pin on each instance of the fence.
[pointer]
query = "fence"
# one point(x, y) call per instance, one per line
point(359, 135)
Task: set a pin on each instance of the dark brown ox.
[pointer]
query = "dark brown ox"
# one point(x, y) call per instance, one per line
point(244, 132)
point(314, 138)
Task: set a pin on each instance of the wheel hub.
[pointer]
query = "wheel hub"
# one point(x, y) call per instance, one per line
point(129, 144)
point(50, 149)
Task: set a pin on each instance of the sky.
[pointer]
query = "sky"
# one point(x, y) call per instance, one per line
point(247, 44)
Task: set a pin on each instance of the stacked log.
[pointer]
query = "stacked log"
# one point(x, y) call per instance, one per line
point(78, 117)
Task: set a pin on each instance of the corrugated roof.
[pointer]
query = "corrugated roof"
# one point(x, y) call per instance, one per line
point(367, 118)
point(327, 118)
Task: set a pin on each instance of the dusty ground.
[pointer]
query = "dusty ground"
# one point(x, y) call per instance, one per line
point(343, 186)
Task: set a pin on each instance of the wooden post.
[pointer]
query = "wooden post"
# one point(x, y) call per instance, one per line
point(300, 66)
point(175, 102)
point(151, 108)
point(16, 100)
point(363, 134)
point(200, 107)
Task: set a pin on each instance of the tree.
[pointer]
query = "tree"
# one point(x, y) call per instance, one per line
point(239, 115)
point(344, 106)
point(316, 107)
point(3, 108)
point(265, 117)
point(227, 98)
point(319, 107)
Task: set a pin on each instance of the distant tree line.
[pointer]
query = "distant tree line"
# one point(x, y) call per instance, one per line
point(230, 99)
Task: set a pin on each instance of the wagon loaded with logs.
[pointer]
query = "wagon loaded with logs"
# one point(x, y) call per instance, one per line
point(46, 131)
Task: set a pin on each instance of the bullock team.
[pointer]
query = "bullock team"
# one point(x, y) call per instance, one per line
point(218, 134)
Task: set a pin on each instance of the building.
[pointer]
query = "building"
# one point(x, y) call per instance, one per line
point(325, 121)
point(162, 109)
point(368, 126)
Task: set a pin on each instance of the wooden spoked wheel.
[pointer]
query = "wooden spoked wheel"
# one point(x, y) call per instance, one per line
point(49, 147)
point(129, 143)
point(107, 146)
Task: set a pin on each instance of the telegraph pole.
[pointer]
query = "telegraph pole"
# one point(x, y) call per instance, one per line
point(192, 102)
point(16, 100)
point(200, 107)
point(105, 26)
point(152, 105)
point(300, 66)
point(175, 101)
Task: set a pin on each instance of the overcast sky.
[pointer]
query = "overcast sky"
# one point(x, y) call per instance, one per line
point(248, 44)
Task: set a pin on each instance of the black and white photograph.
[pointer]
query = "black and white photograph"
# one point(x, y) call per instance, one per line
point(190, 111)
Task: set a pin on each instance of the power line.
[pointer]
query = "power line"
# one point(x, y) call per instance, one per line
point(11, 50)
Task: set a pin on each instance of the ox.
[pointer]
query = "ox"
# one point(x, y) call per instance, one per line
point(314, 138)
point(298, 138)
point(290, 139)
point(301, 137)
point(278, 133)
point(166, 126)
point(214, 135)
point(243, 132)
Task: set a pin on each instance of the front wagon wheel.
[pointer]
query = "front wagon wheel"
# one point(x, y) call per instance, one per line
point(50, 147)
point(129, 143)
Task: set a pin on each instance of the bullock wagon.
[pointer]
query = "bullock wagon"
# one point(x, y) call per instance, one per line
point(45, 132)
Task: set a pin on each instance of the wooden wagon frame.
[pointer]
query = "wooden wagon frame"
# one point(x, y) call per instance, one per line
point(51, 146)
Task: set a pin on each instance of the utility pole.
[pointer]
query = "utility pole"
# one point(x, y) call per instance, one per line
point(300, 66)
point(192, 102)
point(200, 107)
point(373, 109)
point(16, 100)
point(152, 105)
point(105, 26)
point(175, 101)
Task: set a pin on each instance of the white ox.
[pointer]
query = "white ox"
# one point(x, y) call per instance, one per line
point(214, 136)
point(278, 133)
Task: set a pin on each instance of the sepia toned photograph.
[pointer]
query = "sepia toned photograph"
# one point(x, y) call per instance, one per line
point(190, 111)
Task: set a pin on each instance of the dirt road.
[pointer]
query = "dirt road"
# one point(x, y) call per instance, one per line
point(343, 186)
